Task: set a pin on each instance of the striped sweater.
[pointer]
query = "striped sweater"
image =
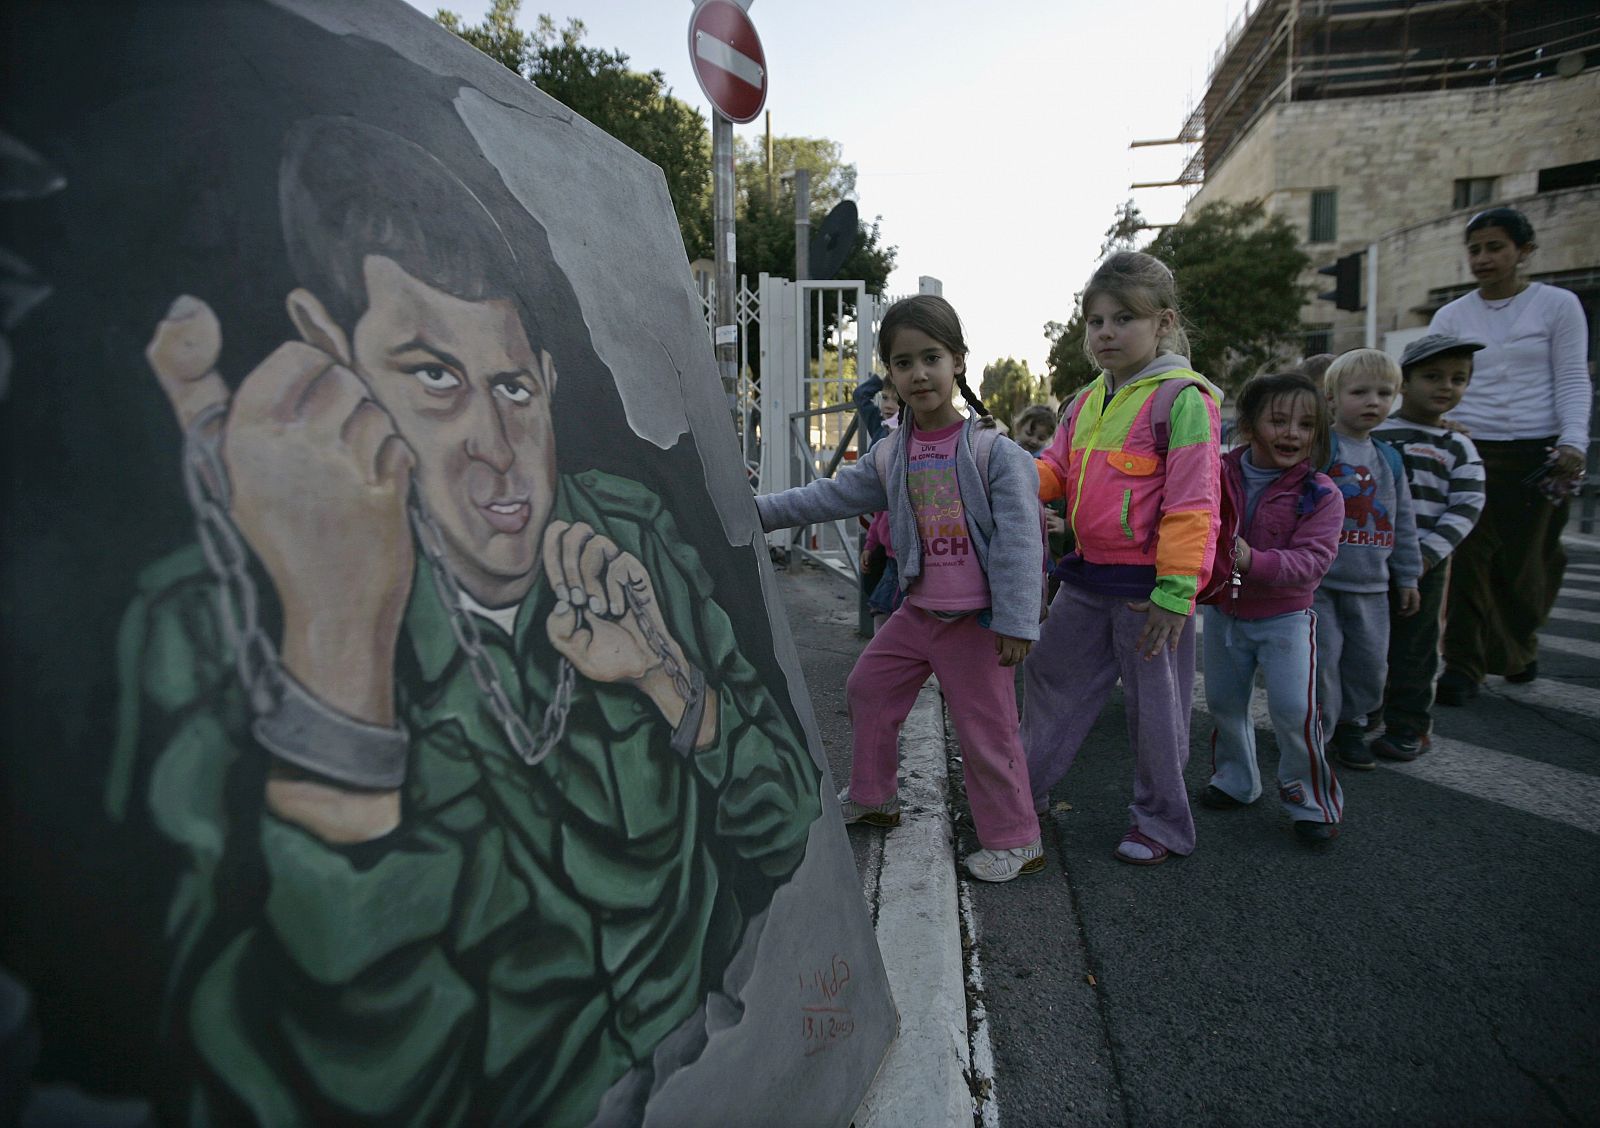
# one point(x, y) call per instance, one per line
point(1446, 478)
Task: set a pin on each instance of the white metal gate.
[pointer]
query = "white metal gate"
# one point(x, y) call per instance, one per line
point(816, 346)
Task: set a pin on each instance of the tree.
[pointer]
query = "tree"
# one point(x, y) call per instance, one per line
point(1238, 271)
point(1008, 387)
point(832, 179)
point(636, 108)
point(1069, 366)
point(766, 225)
point(1123, 234)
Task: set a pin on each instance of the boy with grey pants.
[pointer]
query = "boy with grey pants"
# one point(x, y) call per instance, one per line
point(1378, 553)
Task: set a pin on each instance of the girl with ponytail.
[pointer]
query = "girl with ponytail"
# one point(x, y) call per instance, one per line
point(964, 519)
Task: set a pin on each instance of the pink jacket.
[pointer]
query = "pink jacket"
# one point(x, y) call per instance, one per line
point(1293, 538)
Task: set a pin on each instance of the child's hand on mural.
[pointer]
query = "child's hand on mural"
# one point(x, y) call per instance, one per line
point(608, 622)
point(318, 482)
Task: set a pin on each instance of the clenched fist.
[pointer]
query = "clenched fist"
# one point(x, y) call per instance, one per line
point(319, 482)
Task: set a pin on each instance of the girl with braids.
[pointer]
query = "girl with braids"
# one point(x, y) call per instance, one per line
point(965, 523)
point(1137, 459)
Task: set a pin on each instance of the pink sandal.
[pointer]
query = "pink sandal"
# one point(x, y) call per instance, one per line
point(1137, 837)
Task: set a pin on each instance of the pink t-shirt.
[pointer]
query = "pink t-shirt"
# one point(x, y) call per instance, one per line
point(952, 579)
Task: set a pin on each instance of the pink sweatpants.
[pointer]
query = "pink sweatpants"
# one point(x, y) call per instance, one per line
point(982, 698)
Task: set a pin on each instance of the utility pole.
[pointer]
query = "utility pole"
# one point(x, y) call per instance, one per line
point(802, 224)
point(772, 195)
point(726, 254)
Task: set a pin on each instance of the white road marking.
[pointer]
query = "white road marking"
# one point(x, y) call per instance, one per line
point(1541, 789)
point(988, 1102)
point(1580, 596)
point(1565, 645)
point(1551, 694)
point(1573, 615)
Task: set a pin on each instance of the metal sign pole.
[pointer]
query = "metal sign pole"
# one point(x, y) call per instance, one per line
point(726, 256)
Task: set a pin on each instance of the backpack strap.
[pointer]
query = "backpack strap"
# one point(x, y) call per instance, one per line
point(879, 462)
point(1161, 403)
point(1391, 455)
point(982, 447)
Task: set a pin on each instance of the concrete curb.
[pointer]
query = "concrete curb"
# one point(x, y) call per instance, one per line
point(923, 1080)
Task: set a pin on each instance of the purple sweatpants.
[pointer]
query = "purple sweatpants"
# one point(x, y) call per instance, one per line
point(982, 698)
point(1084, 646)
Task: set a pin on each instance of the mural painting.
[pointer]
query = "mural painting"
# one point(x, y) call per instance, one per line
point(398, 727)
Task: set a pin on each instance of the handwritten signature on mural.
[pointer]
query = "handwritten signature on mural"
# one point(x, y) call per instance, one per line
point(824, 1019)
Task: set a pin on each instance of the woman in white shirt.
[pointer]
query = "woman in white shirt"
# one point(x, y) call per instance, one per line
point(1527, 410)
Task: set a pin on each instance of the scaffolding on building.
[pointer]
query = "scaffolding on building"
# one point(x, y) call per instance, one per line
point(1310, 50)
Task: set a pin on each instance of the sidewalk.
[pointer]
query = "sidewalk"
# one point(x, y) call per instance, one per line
point(908, 874)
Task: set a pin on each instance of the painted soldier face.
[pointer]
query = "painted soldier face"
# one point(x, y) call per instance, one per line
point(472, 398)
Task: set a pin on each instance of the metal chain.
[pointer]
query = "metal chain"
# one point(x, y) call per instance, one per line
point(205, 480)
point(653, 639)
point(465, 629)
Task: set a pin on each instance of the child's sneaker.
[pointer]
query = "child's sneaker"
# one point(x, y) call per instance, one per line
point(1003, 865)
point(1349, 747)
point(884, 814)
point(1401, 744)
point(1316, 835)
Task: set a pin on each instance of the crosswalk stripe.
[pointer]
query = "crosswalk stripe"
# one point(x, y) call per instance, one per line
point(1527, 785)
point(1573, 615)
point(1565, 645)
point(1582, 596)
point(1565, 696)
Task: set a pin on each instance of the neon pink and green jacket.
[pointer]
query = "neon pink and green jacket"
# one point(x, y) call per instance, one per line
point(1130, 502)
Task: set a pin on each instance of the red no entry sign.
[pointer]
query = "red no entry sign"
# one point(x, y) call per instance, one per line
point(728, 60)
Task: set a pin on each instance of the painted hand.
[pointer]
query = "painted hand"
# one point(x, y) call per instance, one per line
point(319, 480)
point(607, 621)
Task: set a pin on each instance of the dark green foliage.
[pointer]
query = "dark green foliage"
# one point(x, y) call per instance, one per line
point(1008, 387)
point(1239, 288)
point(1238, 272)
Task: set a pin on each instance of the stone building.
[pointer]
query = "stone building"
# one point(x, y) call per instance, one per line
point(1379, 128)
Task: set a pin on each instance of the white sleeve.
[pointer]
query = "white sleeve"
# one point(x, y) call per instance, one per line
point(1569, 368)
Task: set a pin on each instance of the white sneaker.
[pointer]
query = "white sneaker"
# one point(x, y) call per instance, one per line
point(884, 814)
point(1003, 865)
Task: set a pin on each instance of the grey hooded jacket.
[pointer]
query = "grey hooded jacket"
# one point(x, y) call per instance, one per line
point(1003, 520)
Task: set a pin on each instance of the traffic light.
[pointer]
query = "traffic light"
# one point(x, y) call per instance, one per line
point(1346, 292)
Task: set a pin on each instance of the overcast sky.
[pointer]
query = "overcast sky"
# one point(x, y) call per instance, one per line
point(992, 139)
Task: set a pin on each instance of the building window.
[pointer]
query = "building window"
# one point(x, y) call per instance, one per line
point(1324, 215)
point(1319, 341)
point(1569, 176)
point(1474, 192)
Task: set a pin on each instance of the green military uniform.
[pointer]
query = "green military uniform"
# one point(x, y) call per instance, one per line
point(528, 934)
